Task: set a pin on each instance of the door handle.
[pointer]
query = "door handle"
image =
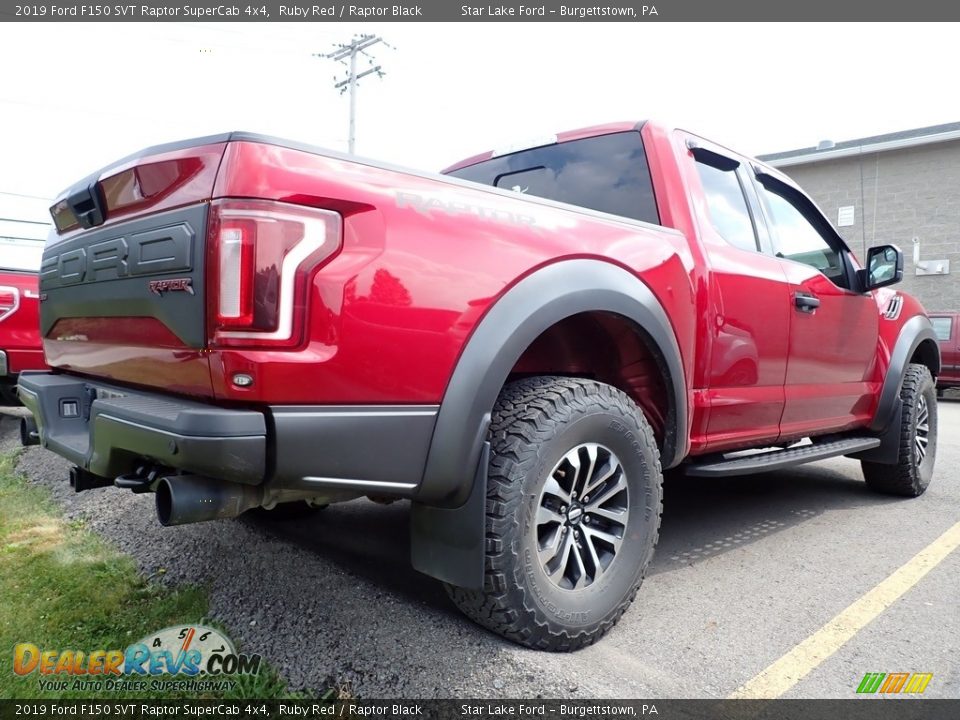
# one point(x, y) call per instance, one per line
point(805, 302)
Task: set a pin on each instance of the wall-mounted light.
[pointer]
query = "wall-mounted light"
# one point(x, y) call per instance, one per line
point(928, 267)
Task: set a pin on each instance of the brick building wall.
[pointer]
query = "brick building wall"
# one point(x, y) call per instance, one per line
point(898, 195)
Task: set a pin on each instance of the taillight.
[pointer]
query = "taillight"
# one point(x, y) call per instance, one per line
point(235, 268)
point(9, 301)
point(259, 257)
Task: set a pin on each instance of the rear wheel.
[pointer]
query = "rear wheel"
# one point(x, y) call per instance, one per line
point(572, 514)
point(918, 439)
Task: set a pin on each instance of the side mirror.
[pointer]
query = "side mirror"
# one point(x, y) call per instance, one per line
point(884, 267)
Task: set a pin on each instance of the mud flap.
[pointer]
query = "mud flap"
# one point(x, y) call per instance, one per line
point(888, 452)
point(449, 543)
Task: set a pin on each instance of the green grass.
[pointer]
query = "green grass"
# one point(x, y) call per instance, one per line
point(62, 587)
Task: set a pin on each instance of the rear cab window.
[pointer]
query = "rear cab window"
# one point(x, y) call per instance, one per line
point(606, 173)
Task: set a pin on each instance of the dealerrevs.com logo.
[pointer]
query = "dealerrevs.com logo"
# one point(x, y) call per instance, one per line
point(184, 657)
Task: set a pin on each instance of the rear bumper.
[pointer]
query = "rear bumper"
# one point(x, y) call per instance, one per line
point(110, 430)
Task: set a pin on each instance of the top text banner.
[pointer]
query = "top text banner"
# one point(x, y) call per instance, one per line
point(454, 10)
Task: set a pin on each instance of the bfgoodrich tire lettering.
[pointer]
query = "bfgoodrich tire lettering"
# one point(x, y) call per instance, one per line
point(918, 439)
point(535, 425)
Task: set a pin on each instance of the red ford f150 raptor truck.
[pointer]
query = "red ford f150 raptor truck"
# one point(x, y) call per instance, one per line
point(520, 347)
point(947, 327)
point(20, 347)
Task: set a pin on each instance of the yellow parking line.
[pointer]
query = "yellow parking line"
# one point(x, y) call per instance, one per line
point(790, 669)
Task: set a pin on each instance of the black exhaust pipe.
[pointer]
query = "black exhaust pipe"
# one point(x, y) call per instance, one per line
point(184, 499)
point(81, 480)
point(29, 433)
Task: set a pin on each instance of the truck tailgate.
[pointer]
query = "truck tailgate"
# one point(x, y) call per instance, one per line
point(122, 279)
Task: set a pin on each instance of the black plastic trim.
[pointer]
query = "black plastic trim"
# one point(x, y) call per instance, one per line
point(888, 451)
point(112, 436)
point(86, 204)
point(106, 272)
point(379, 449)
point(367, 449)
point(711, 157)
point(534, 304)
point(914, 331)
point(448, 544)
point(779, 459)
point(761, 227)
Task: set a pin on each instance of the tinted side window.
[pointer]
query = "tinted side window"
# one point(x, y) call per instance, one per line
point(727, 206)
point(608, 173)
point(795, 238)
point(941, 327)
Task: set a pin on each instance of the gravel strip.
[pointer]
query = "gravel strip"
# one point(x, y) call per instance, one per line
point(327, 599)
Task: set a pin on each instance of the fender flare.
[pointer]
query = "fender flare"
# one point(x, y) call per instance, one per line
point(517, 318)
point(916, 330)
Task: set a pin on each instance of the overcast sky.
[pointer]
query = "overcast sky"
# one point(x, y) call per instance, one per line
point(74, 97)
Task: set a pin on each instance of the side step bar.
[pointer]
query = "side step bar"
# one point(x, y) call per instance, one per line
point(777, 459)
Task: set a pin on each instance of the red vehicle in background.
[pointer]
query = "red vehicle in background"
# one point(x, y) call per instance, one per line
point(947, 327)
point(20, 346)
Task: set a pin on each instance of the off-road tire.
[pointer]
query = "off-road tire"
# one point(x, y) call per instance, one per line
point(909, 478)
point(287, 511)
point(537, 421)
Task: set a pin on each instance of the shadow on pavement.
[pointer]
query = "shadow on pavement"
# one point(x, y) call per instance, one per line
point(367, 539)
point(701, 518)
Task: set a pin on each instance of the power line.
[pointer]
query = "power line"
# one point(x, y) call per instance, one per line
point(23, 195)
point(25, 222)
point(347, 54)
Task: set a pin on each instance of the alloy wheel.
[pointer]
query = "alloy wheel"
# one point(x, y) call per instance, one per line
point(582, 516)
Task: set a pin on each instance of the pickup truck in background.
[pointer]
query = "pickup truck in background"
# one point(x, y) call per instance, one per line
point(947, 327)
point(20, 347)
point(520, 347)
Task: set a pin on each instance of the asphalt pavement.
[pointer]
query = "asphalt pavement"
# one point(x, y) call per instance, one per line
point(747, 570)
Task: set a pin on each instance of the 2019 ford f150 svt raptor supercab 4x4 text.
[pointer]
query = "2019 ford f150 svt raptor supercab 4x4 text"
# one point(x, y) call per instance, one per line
point(519, 347)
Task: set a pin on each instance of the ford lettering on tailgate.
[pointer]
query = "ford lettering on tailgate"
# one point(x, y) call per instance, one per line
point(152, 252)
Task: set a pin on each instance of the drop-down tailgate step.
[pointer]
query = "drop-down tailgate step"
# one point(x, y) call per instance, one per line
point(776, 459)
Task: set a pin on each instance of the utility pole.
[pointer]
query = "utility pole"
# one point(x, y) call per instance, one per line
point(347, 54)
